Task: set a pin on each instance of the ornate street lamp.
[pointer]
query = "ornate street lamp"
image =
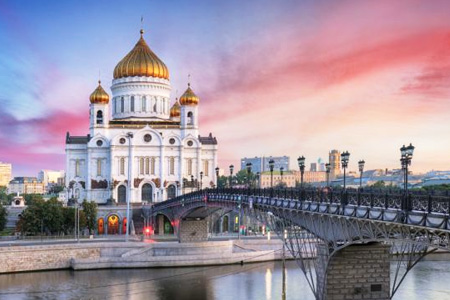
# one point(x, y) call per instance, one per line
point(281, 176)
point(301, 166)
point(345, 156)
point(192, 183)
point(231, 176)
point(328, 170)
point(271, 166)
point(406, 157)
point(258, 178)
point(217, 177)
point(361, 170)
point(201, 180)
point(249, 171)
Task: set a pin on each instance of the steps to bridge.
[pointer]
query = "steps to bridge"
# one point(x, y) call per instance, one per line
point(360, 271)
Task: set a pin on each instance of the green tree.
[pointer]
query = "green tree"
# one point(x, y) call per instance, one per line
point(42, 217)
point(378, 184)
point(53, 215)
point(90, 211)
point(69, 216)
point(30, 199)
point(222, 181)
point(3, 214)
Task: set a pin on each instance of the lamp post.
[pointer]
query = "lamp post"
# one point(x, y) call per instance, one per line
point(328, 170)
point(129, 136)
point(231, 176)
point(192, 183)
point(249, 171)
point(301, 166)
point(271, 165)
point(361, 170)
point(345, 156)
point(258, 178)
point(217, 177)
point(281, 176)
point(406, 157)
point(201, 180)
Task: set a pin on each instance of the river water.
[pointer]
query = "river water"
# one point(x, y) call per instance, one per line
point(429, 280)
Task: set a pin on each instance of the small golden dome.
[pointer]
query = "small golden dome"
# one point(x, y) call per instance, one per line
point(189, 97)
point(99, 96)
point(175, 111)
point(141, 61)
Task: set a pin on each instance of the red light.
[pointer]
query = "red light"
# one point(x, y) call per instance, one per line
point(148, 230)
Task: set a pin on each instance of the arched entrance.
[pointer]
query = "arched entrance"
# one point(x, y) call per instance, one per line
point(171, 191)
point(163, 225)
point(147, 192)
point(113, 224)
point(122, 194)
point(225, 222)
point(101, 228)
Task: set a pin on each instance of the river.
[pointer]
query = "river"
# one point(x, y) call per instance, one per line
point(429, 280)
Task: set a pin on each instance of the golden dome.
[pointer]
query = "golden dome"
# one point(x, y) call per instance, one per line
point(99, 96)
point(141, 61)
point(189, 97)
point(175, 111)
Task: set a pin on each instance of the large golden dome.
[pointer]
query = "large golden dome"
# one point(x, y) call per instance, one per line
point(99, 96)
point(175, 110)
point(141, 61)
point(189, 97)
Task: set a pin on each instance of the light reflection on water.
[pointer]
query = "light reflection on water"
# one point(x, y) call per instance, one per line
point(427, 281)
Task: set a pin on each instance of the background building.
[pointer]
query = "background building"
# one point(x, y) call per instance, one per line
point(261, 164)
point(5, 173)
point(50, 177)
point(335, 163)
point(26, 185)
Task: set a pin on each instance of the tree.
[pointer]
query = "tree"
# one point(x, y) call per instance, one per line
point(90, 211)
point(378, 184)
point(32, 198)
point(69, 215)
point(3, 214)
point(222, 181)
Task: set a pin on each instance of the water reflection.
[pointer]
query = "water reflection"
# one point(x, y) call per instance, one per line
point(427, 281)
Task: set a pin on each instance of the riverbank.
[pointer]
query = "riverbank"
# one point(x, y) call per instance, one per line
point(146, 254)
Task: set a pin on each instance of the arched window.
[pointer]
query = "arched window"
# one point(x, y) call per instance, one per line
point(144, 104)
point(122, 166)
point(171, 191)
point(114, 105)
point(122, 194)
point(122, 105)
point(132, 104)
point(154, 106)
point(153, 166)
point(101, 228)
point(189, 166)
point(147, 192)
point(77, 168)
point(77, 193)
point(190, 118)
point(99, 167)
point(147, 166)
point(99, 117)
point(206, 168)
point(172, 166)
point(141, 165)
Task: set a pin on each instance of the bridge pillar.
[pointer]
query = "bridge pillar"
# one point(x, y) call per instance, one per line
point(360, 271)
point(193, 230)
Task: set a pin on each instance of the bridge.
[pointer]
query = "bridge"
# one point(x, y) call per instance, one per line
point(343, 241)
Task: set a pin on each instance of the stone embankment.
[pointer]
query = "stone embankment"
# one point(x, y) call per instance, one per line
point(136, 255)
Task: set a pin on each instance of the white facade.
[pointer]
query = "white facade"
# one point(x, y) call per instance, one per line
point(165, 151)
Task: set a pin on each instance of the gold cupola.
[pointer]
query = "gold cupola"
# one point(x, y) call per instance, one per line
point(175, 110)
point(189, 97)
point(141, 61)
point(99, 96)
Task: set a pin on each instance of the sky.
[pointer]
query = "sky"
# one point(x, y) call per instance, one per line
point(274, 77)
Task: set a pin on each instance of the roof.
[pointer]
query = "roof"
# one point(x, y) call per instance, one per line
point(77, 139)
point(207, 140)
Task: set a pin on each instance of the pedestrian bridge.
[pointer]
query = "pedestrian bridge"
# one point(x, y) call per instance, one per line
point(352, 235)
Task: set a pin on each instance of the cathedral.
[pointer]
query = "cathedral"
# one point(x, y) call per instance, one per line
point(140, 146)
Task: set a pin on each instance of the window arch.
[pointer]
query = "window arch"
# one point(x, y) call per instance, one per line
point(153, 166)
point(206, 168)
point(132, 104)
point(122, 105)
point(99, 117)
point(144, 104)
point(122, 166)
point(99, 167)
point(77, 168)
point(141, 166)
point(172, 166)
point(147, 166)
point(114, 105)
point(147, 192)
point(189, 166)
point(190, 118)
